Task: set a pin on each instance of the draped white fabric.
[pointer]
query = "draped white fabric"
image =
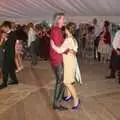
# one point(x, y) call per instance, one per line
point(44, 9)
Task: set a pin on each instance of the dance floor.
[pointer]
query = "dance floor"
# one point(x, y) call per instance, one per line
point(31, 99)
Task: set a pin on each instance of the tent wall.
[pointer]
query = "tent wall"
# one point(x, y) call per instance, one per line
point(88, 19)
point(76, 19)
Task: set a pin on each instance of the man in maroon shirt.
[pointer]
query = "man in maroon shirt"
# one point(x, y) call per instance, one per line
point(57, 60)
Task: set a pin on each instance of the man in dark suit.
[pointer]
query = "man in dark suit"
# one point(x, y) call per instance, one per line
point(8, 65)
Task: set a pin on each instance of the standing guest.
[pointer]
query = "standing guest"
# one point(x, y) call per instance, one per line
point(115, 57)
point(46, 39)
point(18, 55)
point(22, 37)
point(105, 42)
point(21, 33)
point(57, 60)
point(97, 39)
point(89, 47)
point(2, 35)
point(38, 39)
point(8, 64)
point(32, 42)
point(78, 38)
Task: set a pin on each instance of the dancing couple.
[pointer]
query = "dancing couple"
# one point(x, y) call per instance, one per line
point(63, 60)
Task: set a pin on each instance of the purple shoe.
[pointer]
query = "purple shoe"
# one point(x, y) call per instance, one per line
point(77, 106)
point(68, 98)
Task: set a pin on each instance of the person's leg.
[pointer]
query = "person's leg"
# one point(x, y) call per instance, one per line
point(20, 61)
point(112, 66)
point(5, 76)
point(102, 57)
point(67, 95)
point(99, 56)
point(73, 93)
point(59, 87)
point(112, 74)
point(95, 50)
point(1, 76)
point(68, 92)
point(17, 63)
point(105, 58)
point(12, 74)
point(33, 53)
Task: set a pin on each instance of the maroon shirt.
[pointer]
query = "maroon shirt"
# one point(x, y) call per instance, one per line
point(106, 36)
point(57, 37)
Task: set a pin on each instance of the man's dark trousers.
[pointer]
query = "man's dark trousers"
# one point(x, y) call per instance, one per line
point(8, 69)
point(59, 87)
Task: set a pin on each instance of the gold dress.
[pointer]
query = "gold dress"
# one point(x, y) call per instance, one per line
point(69, 60)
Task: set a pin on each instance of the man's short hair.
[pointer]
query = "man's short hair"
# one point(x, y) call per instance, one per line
point(57, 16)
point(7, 24)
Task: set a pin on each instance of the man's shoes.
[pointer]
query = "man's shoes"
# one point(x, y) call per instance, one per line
point(61, 108)
point(110, 77)
point(12, 82)
point(3, 85)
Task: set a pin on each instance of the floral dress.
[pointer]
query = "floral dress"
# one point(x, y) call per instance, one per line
point(89, 47)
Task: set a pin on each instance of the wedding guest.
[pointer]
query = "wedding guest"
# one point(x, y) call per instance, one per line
point(70, 60)
point(8, 64)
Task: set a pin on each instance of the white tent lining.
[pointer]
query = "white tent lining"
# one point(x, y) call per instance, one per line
point(44, 9)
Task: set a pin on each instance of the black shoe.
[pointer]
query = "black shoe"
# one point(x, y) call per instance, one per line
point(12, 82)
point(3, 85)
point(110, 77)
point(61, 108)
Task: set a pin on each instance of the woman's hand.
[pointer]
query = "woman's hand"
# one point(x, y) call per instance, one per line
point(72, 52)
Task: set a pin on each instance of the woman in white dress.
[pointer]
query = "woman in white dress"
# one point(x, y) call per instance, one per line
point(104, 45)
point(69, 61)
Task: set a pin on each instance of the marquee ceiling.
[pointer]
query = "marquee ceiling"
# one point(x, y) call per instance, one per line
point(44, 9)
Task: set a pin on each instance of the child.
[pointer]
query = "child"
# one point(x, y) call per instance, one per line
point(18, 53)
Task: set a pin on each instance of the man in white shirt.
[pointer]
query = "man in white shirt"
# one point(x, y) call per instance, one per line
point(115, 56)
point(31, 43)
point(31, 36)
point(97, 28)
point(116, 41)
